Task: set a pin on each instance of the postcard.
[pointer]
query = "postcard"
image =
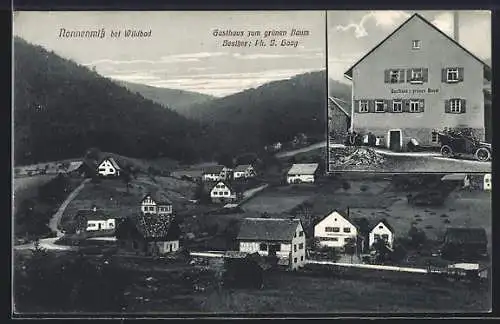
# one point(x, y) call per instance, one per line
point(197, 163)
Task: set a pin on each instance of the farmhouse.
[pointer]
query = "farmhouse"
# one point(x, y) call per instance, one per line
point(244, 171)
point(339, 119)
point(149, 234)
point(213, 173)
point(382, 231)
point(416, 80)
point(109, 167)
point(335, 230)
point(461, 179)
point(283, 238)
point(299, 173)
point(94, 220)
point(156, 204)
point(465, 243)
point(223, 192)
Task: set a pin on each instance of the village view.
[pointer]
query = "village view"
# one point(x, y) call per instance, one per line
point(235, 235)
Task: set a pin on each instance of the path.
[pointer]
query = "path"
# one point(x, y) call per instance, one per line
point(47, 244)
point(301, 150)
point(56, 218)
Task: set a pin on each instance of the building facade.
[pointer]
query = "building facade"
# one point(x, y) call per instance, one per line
point(415, 81)
point(335, 231)
point(382, 231)
point(154, 204)
point(108, 168)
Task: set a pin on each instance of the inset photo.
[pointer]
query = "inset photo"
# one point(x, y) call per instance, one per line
point(409, 91)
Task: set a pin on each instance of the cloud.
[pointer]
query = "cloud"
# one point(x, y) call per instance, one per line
point(384, 19)
point(444, 22)
point(177, 58)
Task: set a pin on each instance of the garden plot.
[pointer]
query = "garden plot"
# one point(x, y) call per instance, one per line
point(273, 202)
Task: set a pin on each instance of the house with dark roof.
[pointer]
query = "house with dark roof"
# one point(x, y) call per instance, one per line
point(108, 167)
point(213, 173)
point(283, 238)
point(94, 220)
point(156, 203)
point(382, 231)
point(149, 234)
point(339, 119)
point(415, 81)
point(464, 243)
point(244, 171)
point(225, 192)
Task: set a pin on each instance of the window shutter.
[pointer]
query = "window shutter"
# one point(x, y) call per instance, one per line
point(460, 74)
point(408, 75)
point(443, 75)
point(356, 106)
point(387, 76)
point(402, 76)
point(422, 105)
point(425, 74)
point(371, 106)
point(462, 106)
point(406, 105)
point(447, 106)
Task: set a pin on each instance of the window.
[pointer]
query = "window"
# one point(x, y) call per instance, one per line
point(385, 236)
point(417, 76)
point(380, 227)
point(295, 260)
point(415, 44)
point(379, 106)
point(302, 258)
point(301, 233)
point(414, 105)
point(347, 230)
point(376, 236)
point(455, 105)
point(397, 106)
point(363, 106)
point(394, 76)
point(301, 246)
point(295, 248)
point(452, 75)
point(434, 137)
point(111, 225)
point(335, 239)
point(226, 193)
point(336, 229)
point(263, 247)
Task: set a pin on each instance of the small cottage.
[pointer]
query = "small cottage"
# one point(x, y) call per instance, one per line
point(213, 173)
point(282, 238)
point(302, 173)
point(224, 192)
point(156, 204)
point(335, 230)
point(108, 167)
point(382, 231)
point(94, 220)
point(244, 171)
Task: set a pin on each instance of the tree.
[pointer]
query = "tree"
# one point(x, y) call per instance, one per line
point(126, 177)
point(346, 185)
point(382, 250)
point(93, 154)
point(417, 237)
point(350, 247)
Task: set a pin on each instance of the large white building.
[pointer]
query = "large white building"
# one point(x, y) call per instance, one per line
point(302, 173)
point(284, 238)
point(335, 230)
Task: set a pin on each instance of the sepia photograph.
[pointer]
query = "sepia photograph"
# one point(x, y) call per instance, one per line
point(179, 164)
point(409, 91)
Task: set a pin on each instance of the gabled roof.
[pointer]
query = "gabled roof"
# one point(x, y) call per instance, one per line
point(348, 73)
point(352, 221)
point(112, 161)
point(454, 177)
point(232, 187)
point(242, 167)
point(74, 165)
point(158, 197)
point(214, 169)
point(305, 168)
point(463, 235)
point(268, 229)
point(332, 101)
point(386, 224)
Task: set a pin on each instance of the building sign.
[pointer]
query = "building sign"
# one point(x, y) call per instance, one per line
point(414, 91)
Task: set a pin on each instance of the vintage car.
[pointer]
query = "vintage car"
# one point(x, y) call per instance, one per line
point(458, 143)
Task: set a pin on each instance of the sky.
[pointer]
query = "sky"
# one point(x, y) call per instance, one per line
point(182, 52)
point(359, 31)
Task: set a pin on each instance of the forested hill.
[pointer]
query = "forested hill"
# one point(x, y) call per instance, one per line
point(61, 109)
point(175, 99)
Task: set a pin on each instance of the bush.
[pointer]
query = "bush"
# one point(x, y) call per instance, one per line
point(364, 188)
point(346, 185)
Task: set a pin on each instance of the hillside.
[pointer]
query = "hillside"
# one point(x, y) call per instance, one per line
point(61, 109)
point(177, 100)
point(275, 111)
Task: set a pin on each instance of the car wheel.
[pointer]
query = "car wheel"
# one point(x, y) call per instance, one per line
point(482, 154)
point(446, 151)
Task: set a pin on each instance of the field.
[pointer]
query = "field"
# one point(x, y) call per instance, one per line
point(112, 196)
point(27, 187)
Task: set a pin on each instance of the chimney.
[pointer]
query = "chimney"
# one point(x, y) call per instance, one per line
point(348, 212)
point(455, 26)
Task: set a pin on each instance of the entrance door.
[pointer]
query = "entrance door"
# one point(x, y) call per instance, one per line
point(99, 226)
point(395, 140)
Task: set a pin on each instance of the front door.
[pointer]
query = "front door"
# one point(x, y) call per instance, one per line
point(395, 140)
point(99, 226)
